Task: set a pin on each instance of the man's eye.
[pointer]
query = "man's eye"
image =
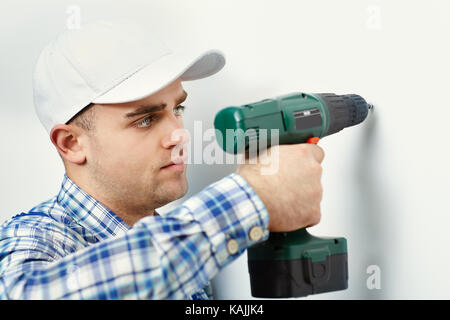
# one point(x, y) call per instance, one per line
point(144, 123)
point(147, 121)
point(178, 111)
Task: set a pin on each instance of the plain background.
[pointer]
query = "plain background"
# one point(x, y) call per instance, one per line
point(386, 182)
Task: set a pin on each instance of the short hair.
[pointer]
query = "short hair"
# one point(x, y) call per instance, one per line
point(85, 119)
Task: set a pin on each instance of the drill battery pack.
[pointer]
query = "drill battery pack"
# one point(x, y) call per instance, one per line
point(297, 264)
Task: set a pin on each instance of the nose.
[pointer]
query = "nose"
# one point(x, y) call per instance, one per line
point(176, 134)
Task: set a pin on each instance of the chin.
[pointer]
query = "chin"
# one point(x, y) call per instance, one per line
point(177, 189)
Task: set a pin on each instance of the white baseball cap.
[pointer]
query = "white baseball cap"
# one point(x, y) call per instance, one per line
point(110, 62)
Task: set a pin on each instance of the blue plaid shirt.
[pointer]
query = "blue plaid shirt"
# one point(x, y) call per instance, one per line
point(73, 247)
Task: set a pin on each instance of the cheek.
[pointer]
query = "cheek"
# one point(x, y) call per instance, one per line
point(142, 153)
point(131, 156)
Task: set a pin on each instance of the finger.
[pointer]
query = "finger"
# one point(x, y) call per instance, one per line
point(317, 152)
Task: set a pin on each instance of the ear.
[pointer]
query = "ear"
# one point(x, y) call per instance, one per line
point(68, 142)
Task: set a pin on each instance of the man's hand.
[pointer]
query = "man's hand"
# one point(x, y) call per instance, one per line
point(292, 195)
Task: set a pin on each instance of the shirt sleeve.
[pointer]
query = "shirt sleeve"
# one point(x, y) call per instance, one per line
point(162, 257)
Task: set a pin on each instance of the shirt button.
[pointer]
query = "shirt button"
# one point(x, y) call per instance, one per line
point(232, 246)
point(255, 233)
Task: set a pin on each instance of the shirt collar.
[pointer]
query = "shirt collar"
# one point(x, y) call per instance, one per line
point(88, 212)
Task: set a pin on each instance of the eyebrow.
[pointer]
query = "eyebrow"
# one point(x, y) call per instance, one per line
point(144, 109)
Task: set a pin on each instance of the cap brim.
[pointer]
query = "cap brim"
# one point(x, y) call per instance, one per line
point(161, 73)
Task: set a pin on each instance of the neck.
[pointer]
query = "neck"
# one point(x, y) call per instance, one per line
point(129, 214)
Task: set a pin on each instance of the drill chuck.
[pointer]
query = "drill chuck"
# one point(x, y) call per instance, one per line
point(345, 110)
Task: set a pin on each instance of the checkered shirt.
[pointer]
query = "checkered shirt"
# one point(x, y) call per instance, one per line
point(73, 247)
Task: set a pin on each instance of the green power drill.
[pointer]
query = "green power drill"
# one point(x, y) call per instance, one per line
point(292, 264)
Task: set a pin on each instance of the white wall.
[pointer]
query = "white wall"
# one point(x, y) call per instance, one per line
point(386, 182)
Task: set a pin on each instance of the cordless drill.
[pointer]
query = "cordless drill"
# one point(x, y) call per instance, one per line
point(292, 264)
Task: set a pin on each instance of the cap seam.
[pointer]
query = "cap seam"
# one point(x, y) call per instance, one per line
point(78, 106)
point(120, 78)
point(128, 75)
point(82, 76)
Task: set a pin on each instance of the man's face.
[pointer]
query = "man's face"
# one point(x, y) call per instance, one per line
point(129, 153)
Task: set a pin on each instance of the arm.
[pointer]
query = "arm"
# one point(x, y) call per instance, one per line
point(161, 257)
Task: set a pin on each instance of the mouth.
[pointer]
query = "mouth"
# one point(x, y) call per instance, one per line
point(175, 165)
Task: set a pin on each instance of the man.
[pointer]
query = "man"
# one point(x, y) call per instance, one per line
point(109, 95)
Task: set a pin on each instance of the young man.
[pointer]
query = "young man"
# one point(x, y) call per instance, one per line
point(109, 95)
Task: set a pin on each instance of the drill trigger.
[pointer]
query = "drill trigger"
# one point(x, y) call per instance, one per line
point(313, 140)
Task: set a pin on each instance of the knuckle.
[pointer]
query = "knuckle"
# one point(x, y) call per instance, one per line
point(316, 168)
point(321, 150)
point(318, 192)
point(315, 191)
point(318, 154)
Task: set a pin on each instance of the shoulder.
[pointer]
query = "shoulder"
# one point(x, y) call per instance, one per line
point(45, 224)
point(47, 215)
